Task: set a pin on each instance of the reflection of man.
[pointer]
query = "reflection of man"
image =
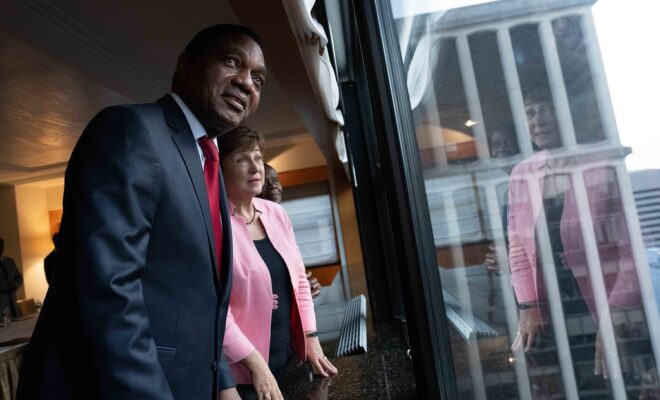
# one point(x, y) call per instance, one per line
point(503, 142)
point(138, 304)
point(272, 191)
point(10, 280)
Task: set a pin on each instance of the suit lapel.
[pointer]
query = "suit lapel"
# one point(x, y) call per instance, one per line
point(227, 243)
point(185, 142)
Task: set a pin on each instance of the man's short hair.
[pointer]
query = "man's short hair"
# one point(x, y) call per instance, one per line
point(205, 40)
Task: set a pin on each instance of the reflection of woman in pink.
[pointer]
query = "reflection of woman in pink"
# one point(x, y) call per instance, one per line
point(538, 187)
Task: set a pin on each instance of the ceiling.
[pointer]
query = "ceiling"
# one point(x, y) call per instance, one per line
point(60, 64)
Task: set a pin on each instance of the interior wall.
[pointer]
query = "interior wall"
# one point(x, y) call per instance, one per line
point(34, 234)
point(54, 196)
point(9, 228)
point(299, 155)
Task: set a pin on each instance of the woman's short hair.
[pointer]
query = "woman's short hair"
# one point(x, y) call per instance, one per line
point(536, 95)
point(238, 139)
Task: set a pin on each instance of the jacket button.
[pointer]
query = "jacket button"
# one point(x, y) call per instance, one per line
point(214, 366)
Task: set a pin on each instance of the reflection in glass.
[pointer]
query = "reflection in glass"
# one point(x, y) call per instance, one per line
point(539, 251)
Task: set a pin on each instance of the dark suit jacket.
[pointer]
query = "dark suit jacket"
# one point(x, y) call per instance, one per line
point(136, 309)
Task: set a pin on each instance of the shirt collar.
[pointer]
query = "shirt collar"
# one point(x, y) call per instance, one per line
point(196, 126)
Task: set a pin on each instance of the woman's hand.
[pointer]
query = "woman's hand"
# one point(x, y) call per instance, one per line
point(320, 363)
point(531, 326)
point(263, 380)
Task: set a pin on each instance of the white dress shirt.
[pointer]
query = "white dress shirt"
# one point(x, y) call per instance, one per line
point(195, 126)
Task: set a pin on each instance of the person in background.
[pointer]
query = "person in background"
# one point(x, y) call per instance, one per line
point(273, 191)
point(10, 280)
point(272, 186)
point(137, 307)
point(271, 313)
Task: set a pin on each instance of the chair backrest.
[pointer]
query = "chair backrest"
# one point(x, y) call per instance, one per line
point(26, 307)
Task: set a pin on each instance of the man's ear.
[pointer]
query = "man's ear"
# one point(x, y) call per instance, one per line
point(183, 65)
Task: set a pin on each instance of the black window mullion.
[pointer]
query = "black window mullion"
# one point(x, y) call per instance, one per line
point(404, 186)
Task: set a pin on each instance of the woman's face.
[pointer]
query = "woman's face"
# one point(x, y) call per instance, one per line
point(543, 127)
point(243, 171)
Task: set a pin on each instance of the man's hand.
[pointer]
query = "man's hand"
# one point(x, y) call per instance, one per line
point(229, 394)
point(314, 285)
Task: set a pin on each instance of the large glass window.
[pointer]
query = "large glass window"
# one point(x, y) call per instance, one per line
point(313, 226)
point(545, 208)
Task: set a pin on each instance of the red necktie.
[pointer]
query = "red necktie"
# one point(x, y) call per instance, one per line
point(211, 177)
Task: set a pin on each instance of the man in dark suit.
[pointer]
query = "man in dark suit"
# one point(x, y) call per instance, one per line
point(137, 306)
point(10, 280)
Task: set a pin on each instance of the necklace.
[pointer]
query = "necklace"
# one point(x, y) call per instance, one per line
point(254, 215)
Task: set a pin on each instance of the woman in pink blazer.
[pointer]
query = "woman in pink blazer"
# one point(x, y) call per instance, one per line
point(271, 313)
point(541, 188)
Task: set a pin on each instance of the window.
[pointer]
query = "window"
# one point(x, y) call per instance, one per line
point(534, 193)
point(313, 226)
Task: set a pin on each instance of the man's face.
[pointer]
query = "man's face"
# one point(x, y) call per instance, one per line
point(543, 127)
point(501, 145)
point(272, 187)
point(223, 86)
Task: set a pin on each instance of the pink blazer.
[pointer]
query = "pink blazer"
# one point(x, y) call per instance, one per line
point(251, 304)
point(613, 242)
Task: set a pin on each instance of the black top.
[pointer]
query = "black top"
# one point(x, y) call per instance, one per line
point(554, 208)
point(280, 334)
point(571, 296)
